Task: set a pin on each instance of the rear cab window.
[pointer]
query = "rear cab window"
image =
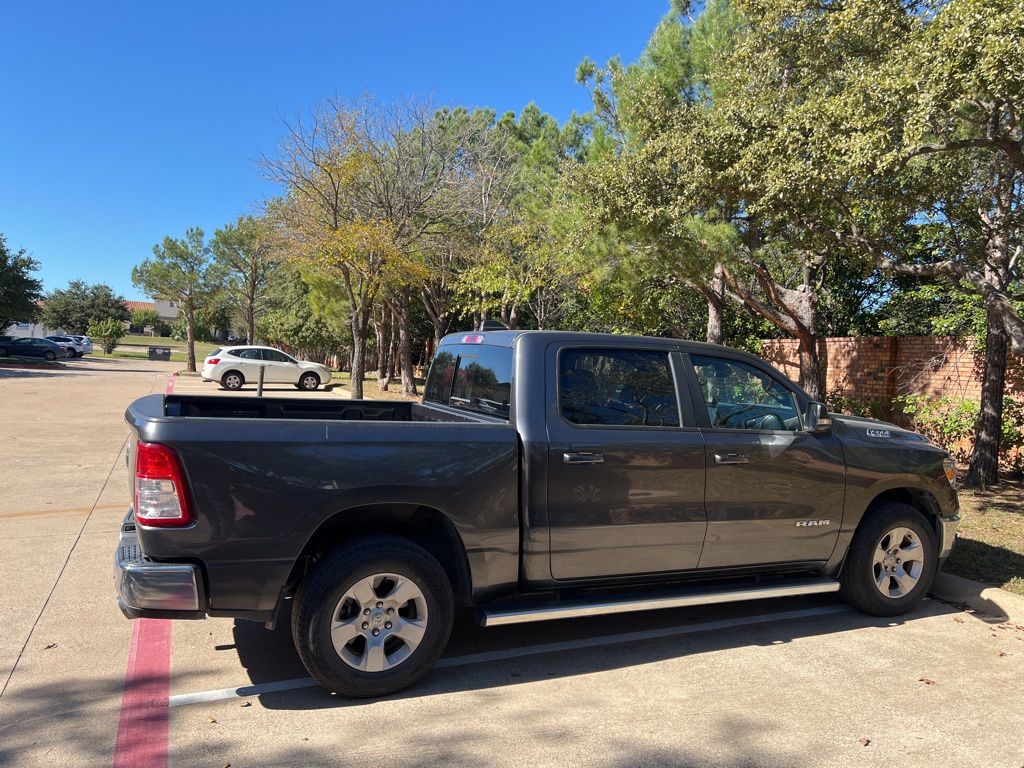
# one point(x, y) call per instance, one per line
point(472, 377)
point(617, 387)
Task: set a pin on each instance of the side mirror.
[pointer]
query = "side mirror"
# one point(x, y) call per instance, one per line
point(816, 419)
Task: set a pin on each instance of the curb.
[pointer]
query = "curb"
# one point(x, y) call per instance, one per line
point(992, 601)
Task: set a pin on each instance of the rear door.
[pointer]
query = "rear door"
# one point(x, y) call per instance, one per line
point(774, 492)
point(625, 464)
point(247, 360)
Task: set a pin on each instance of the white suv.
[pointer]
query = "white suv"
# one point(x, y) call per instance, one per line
point(234, 367)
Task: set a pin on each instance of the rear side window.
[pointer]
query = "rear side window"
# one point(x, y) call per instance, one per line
point(246, 354)
point(617, 387)
point(472, 377)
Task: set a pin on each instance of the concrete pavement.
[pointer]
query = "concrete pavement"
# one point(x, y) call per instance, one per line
point(800, 682)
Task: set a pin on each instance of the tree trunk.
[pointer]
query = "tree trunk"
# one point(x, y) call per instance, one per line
point(716, 306)
point(359, 330)
point(983, 469)
point(812, 377)
point(392, 352)
point(402, 300)
point(190, 330)
point(380, 330)
point(250, 324)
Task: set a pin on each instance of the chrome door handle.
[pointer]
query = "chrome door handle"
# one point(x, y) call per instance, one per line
point(731, 458)
point(574, 457)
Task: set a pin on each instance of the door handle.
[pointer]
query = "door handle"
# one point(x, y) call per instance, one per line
point(731, 458)
point(575, 457)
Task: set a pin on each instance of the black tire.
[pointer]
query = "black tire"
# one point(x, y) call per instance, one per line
point(327, 584)
point(861, 574)
point(232, 380)
point(309, 382)
point(49, 355)
point(3, 352)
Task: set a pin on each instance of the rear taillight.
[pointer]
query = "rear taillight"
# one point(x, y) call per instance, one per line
point(161, 494)
point(212, 360)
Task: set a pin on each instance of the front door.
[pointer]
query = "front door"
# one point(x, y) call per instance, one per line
point(625, 470)
point(774, 492)
point(280, 369)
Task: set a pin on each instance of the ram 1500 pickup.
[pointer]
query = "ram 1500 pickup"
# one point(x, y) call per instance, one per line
point(545, 475)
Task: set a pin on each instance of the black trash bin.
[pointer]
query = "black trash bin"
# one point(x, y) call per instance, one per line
point(159, 353)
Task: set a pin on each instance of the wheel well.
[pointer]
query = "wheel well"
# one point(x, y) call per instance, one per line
point(428, 527)
point(232, 370)
point(913, 497)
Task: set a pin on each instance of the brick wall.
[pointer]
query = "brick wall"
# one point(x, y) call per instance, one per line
point(882, 367)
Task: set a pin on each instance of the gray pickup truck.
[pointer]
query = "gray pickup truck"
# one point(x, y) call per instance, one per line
point(545, 475)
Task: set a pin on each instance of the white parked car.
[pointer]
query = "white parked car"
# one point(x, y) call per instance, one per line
point(70, 344)
point(234, 367)
point(86, 343)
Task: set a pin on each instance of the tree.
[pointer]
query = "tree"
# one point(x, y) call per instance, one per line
point(145, 318)
point(75, 308)
point(19, 291)
point(243, 252)
point(181, 271)
point(108, 332)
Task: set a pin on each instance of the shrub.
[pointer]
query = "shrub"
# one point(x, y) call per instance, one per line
point(108, 333)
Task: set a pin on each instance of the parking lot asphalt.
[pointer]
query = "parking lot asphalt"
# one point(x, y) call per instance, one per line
point(796, 682)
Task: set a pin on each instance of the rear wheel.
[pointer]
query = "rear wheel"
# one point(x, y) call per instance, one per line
point(309, 382)
point(3, 351)
point(891, 562)
point(49, 355)
point(372, 617)
point(232, 380)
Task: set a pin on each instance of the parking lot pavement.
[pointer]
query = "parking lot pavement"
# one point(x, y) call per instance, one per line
point(797, 682)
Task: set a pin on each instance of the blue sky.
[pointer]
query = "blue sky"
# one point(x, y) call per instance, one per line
point(124, 122)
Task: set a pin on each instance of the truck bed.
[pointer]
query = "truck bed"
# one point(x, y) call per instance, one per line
point(206, 406)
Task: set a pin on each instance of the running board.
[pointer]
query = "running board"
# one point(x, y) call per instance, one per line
point(577, 608)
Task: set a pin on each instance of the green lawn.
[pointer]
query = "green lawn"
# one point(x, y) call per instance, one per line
point(990, 545)
point(143, 343)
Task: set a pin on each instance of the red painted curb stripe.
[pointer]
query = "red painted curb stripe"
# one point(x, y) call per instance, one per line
point(142, 731)
point(170, 384)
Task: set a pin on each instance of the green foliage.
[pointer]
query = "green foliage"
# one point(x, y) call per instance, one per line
point(182, 271)
point(145, 318)
point(949, 422)
point(19, 291)
point(295, 320)
point(107, 332)
point(852, 405)
point(75, 308)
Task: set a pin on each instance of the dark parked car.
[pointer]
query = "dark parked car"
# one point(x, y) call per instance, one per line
point(546, 475)
point(26, 347)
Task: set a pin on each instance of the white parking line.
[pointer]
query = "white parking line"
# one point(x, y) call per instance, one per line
point(530, 650)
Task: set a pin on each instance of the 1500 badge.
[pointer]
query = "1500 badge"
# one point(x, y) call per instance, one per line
point(884, 433)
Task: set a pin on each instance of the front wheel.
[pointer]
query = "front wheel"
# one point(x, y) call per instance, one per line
point(891, 562)
point(50, 355)
point(372, 617)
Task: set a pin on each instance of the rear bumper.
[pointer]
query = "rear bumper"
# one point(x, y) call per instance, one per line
point(947, 527)
point(149, 590)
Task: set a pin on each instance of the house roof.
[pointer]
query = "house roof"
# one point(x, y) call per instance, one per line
point(133, 305)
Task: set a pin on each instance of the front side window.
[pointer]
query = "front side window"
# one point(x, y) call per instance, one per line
point(276, 357)
point(617, 387)
point(740, 396)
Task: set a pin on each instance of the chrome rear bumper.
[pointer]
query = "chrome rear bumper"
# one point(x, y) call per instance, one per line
point(146, 589)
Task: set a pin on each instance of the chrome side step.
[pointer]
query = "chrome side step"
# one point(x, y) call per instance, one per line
point(707, 596)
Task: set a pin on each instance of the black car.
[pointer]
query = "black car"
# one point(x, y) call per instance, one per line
point(26, 347)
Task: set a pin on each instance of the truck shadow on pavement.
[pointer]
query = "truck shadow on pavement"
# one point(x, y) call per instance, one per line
point(269, 656)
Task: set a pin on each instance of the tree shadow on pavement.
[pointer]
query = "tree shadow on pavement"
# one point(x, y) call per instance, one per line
point(269, 656)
